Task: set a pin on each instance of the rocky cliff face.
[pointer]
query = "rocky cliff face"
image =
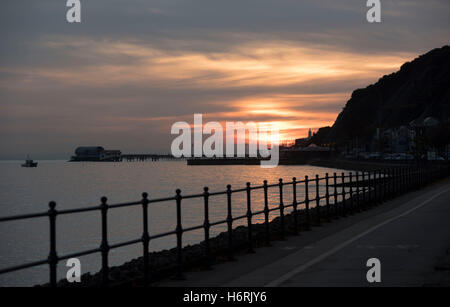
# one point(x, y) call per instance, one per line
point(421, 88)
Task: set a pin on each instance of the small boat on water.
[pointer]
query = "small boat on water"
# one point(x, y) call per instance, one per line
point(29, 163)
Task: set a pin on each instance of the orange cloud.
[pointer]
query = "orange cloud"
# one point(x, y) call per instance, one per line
point(272, 64)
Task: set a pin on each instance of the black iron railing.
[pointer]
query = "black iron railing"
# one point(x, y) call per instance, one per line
point(356, 191)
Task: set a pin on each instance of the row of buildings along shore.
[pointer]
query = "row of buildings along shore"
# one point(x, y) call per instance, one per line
point(400, 143)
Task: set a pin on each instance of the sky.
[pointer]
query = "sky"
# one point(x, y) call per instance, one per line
point(132, 68)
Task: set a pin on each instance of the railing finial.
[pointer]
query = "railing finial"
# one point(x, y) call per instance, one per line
point(52, 205)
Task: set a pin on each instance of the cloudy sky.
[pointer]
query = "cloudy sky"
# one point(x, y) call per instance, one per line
point(132, 68)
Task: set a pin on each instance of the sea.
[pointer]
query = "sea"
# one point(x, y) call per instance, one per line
point(82, 184)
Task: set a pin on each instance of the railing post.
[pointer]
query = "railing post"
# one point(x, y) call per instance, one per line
point(206, 226)
point(249, 220)
point(350, 179)
point(394, 181)
point(308, 216)
point(369, 188)
point(318, 217)
point(417, 177)
point(377, 186)
point(230, 225)
point(391, 183)
point(358, 203)
point(379, 183)
point(402, 179)
point(179, 233)
point(295, 204)
point(335, 194)
point(419, 185)
point(344, 208)
point(421, 178)
point(145, 238)
point(282, 226)
point(373, 185)
point(387, 189)
point(374, 188)
point(327, 197)
point(380, 187)
point(411, 178)
point(385, 185)
point(408, 178)
point(364, 186)
point(395, 176)
point(424, 181)
point(266, 214)
point(52, 257)
point(104, 247)
point(394, 188)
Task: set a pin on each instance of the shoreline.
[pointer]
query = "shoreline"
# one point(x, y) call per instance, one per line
point(352, 165)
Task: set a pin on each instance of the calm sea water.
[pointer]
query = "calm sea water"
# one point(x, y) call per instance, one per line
point(73, 185)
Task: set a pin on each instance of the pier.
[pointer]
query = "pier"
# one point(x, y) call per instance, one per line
point(224, 161)
point(146, 157)
point(99, 154)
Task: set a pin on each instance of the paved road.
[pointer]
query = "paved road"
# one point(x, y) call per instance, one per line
point(408, 235)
